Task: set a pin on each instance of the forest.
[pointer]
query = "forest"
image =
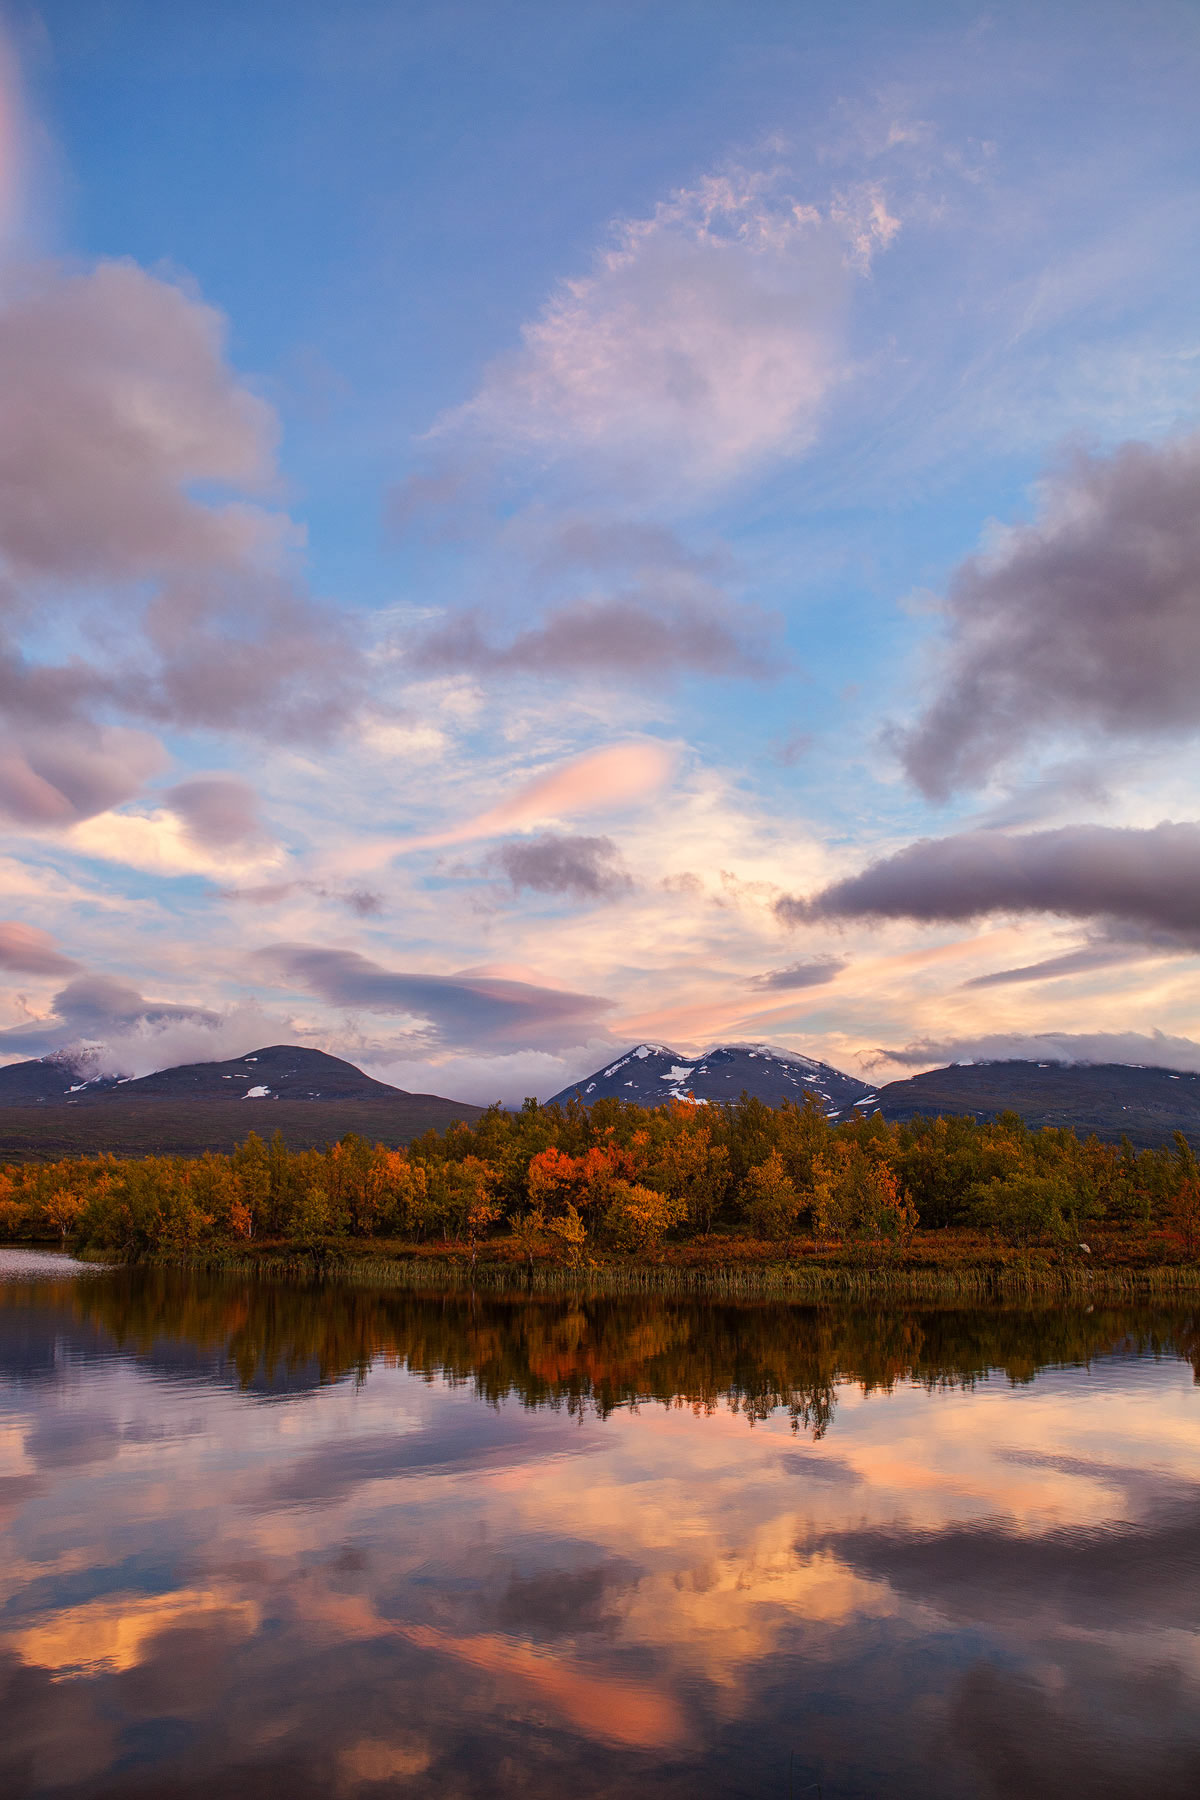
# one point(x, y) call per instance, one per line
point(570, 1185)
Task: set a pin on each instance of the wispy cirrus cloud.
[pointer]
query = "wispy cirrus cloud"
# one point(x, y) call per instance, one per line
point(705, 339)
point(702, 345)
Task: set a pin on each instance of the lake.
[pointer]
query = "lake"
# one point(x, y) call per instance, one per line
point(289, 1540)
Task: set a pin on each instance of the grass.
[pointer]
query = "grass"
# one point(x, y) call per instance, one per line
point(1017, 1278)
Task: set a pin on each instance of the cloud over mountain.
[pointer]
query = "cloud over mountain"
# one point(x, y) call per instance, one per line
point(98, 1009)
point(1087, 618)
point(1152, 1050)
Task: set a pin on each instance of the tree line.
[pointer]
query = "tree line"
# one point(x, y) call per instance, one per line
point(562, 1182)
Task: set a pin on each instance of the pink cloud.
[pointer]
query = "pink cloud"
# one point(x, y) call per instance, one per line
point(601, 781)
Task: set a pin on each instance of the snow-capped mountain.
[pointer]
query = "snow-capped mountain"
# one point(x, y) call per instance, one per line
point(650, 1074)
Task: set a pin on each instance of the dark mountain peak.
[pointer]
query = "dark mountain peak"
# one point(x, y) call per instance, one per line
point(650, 1074)
point(50, 1080)
point(276, 1072)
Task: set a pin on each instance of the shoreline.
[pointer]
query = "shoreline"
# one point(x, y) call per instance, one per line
point(1033, 1276)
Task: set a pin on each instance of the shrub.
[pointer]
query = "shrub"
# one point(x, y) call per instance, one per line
point(769, 1199)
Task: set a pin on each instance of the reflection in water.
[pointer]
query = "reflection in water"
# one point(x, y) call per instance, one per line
point(265, 1539)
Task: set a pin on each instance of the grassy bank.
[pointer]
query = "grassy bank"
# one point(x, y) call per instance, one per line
point(967, 1271)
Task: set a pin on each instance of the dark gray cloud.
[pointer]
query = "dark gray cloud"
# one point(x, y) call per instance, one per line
point(675, 630)
point(1151, 1050)
point(459, 1010)
point(1145, 878)
point(218, 811)
point(1088, 617)
point(27, 951)
point(814, 973)
point(589, 868)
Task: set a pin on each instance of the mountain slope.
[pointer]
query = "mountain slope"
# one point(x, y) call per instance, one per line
point(650, 1074)
point(48, 1082)
point(1111, 1099)
point(48, 1110)
point(278, 1072)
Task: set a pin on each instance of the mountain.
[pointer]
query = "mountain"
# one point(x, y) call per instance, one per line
point(280, 1072)
point(48, 1081)
point(1113, 1100)
point(651, 1073)
point(50, 1109)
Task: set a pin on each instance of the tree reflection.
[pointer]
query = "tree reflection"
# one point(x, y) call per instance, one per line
point(592, 1353)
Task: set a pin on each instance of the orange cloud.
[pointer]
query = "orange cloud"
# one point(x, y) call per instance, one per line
point(597, 782)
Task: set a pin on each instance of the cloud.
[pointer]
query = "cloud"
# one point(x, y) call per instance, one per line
point(1145, 878)
point(27, 951)
point(588, 868)
point(814, 973)
point(1087, 618)
point(599, 781)
point(465, 1009)
point(485, 1076)
point(1151, 1050)
point(1102, 953)
point(98, 1010)
point(704, 341)
point(117, 402)
point(360, 901)
point(133, 469)
point(218, 811)
point(59, 776)
point(649, 608)
point(682, 628)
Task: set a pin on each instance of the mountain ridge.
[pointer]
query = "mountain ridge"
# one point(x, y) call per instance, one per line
point(53, 1108)
point(651, 1073)
point(1144, 1103)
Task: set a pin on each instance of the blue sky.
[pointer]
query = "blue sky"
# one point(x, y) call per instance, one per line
point(524, 527)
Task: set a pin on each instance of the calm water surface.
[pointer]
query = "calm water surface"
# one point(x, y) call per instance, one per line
point(276, 1540)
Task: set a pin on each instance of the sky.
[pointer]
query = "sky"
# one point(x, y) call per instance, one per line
point(525, 529)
